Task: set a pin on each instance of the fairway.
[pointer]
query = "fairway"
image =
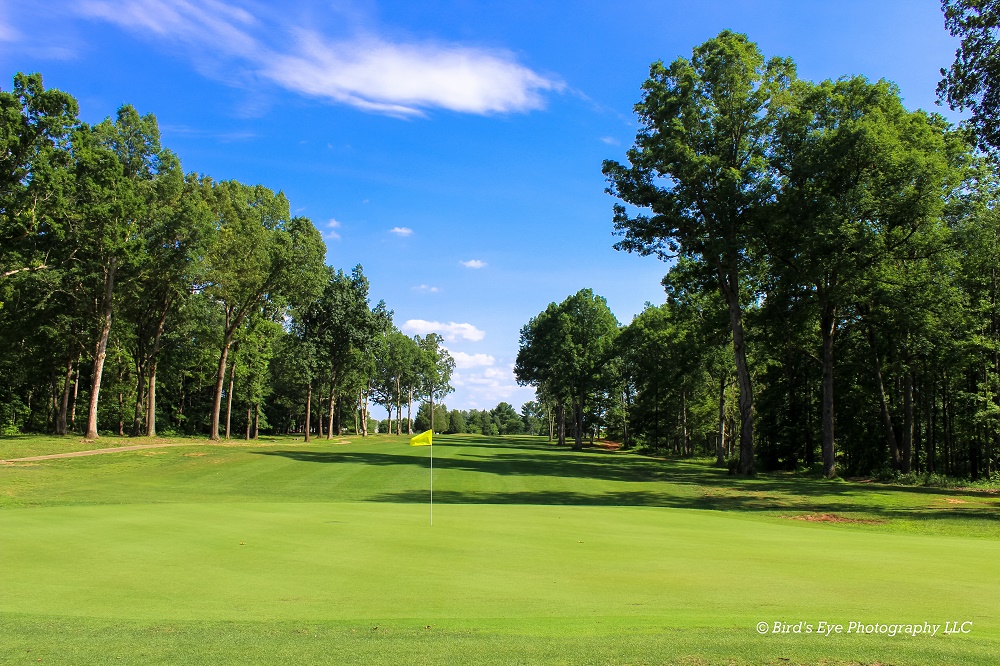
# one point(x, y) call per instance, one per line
point(323, 553)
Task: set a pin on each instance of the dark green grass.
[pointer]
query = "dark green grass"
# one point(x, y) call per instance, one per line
point(284, 551)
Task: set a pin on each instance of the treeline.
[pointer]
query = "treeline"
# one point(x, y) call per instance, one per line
point(833, 297)
point(533, 419)
point(137, 299)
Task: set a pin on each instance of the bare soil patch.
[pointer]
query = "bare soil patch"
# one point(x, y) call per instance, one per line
point(834, 518)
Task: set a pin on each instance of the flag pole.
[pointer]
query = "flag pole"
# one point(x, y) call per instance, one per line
point(432, 479)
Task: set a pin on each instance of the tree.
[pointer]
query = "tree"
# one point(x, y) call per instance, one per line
point(35, 125)
point(563, 351)
point(543, 357)
point(507, 419)
point(971, 81)
point(435, 367)
point(700, 165)
point(259, 254)
point(176, 231)
point(116, 163)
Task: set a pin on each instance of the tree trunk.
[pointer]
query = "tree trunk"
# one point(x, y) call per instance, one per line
point(151, 402)
point(139, 402)
point(729, 282)
point(64, 400)
point(76, 389)
point(561, 415)
point(409, 420)
point(627, 404)
point(319, 418)
point(399, 409)
point(357, 409)
point(364, 414)
point(578, 423)
point(828, 329)
point(180, 406)
point(229, 396)
point(333, 401)
point(685, 442)
point(249, 420)
point(101, 350)
point(720, 445)
point(256, 420)
point(154, 358)
point(907, 422)
point(231, 326)
point(309, 397)
point(931, 427)
point(890, 433)
point(219, 382)
point(337, 407)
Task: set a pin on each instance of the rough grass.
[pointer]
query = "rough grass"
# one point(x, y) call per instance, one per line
point(323, 553)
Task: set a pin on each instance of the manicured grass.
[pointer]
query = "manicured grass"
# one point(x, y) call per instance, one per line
point(292, 552)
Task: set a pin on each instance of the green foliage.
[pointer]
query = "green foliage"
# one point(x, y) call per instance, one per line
point(970, 82)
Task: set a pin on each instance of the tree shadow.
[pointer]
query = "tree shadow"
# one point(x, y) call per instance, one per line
point(679, 483)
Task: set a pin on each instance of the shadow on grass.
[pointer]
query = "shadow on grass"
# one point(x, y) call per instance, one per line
point(779, 506)
point(684, 484)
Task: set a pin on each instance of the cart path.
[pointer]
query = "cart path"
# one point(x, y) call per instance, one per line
point(95, 452)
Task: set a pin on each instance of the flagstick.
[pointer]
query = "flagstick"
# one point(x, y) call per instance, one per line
point(432, 481)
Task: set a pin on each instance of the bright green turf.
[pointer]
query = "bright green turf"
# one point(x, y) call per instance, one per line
point(292, 552)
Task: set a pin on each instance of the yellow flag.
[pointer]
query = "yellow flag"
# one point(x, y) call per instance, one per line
point(423, 439)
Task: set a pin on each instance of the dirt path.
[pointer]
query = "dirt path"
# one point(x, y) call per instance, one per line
point(95, 452)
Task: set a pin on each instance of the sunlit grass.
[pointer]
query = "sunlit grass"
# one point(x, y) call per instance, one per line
point(286, 551)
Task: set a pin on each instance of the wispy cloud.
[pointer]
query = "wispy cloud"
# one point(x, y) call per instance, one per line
point(473, 263)
point(331, 229)
point(463, 360)
point(221, 137)
point(450, 331)
point(364, 71)
point(426, 289)
point(8, 33)
point(610, 140)
point(401, 231)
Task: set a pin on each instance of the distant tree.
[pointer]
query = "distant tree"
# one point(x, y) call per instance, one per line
point(456, 422)
point(435, 367)
point(507, 419)
point(534, 418)
point(442, 417)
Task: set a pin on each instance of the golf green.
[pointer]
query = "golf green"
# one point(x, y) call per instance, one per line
point(325, 553)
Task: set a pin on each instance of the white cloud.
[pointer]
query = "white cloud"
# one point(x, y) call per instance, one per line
point(473, 263)
point(463, 360)
point(427, 289)
point(401, 231)
point(610, 140)
point(489, 386)
point(366, 71)
point(401, 79)
point(205, 23)
point(331, 226)
point(450, 331)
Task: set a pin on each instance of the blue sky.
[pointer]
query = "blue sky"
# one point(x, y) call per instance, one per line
point(453, 148)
